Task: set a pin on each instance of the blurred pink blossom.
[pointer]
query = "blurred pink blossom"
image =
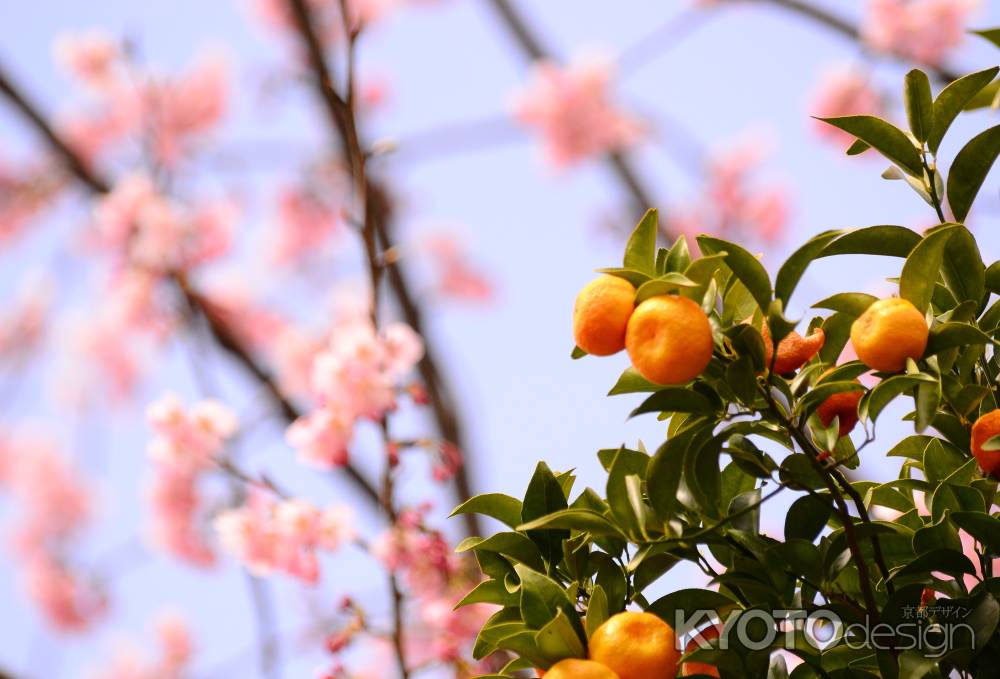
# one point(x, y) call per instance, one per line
point(733, 202)
point(283, 536)
point(457, 278)
point(175, 649)
point(92, 57)
point(356, 376)
point(571, 108)
point(842, 90)
point(186, 442)
point(54, 507)
point(22, 322)
point(304, 222)
point(926, 31)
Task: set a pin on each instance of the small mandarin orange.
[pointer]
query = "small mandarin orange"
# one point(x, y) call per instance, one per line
point(669, 339)
point(636, 646)
point(601, 315)
point(889, 332)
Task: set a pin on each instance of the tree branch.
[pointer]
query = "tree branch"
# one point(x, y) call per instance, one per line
point(221, 332)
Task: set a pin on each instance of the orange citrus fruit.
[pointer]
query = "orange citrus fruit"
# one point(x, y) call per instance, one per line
point(985, 428)
point(888, 333)
point(579, 669)
point(669, 339)
point(843, 405)
point(692, 668)
point(794, 350)
point(636, 646)
point(601, 315)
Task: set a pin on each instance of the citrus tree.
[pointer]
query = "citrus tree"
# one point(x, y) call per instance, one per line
point(870, 579)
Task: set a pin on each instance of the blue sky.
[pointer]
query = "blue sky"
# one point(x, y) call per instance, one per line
point(534, 230)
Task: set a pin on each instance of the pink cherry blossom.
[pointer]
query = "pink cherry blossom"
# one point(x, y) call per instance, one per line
point(322, 438)
point(304, 222)
point(22, 323)
point(842, 90)
point(571, 108)
point(174, 652)
point(457, 278)
point(282, 536)
point(734, 202)
point(92, 57)
point(186, 442)
point(54, 506)
point(926, 31)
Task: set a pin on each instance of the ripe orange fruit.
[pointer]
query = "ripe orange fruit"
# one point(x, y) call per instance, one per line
point(843, 405)
point(985, 428)
point(793, 351)
point(578, 669)
point(692, 668)
point(601, 315)
point(888, 333)
point(669, 339)
point(636, 646)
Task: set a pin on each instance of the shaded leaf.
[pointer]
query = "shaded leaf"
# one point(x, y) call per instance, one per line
point(969, 170)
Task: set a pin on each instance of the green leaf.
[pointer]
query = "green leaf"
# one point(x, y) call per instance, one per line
point(984, 528)
point(559, 640)
point(633, 276)
point(489, 592)
point(542, 598)
point(806, 518)
point(686, 602)
point(857, 147)
point(597, 610)
point(632, 382)
point(964, 271)
point(991, 34)
point(665, 470)
point(745, 266)
point(575, 519)
point(945, 560)
point(679, 256)
point(795, 266)
point(675, 400)
point(544, 496)
point(577, 353)
point(953, 99)
point(923, 267)
point(884, 138)
point(501, 507)
point(919, 105)
point(969, 170)
point(993, 277)
point(850, 303)
point(886, 239)
point(640, 252)
point(663, 285)
point(513, 545)
point(952, 334)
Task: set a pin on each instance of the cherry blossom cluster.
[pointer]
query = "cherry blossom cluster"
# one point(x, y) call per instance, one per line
point(926, 31)
point(434, 578)
point(186, 444)
point(356, 377)
point(22, 322)
point(843, 90)
point(174, 651)
point(283, 536)
point(733, 199)
point(154, 232)
point(571, 108)
point(55, 508)
point(168, 113)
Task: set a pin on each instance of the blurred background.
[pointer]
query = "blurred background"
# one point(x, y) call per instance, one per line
point(509, 183)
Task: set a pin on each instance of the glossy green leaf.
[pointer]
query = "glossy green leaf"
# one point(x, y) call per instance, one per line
point(918, 103)
point(969, 169)
point(991, 34)
point(663, 285)
point(949, 335)
point(884, 138)
point(640, 252)
point(577, 353)
point(984, 528)
point(963, 269)
point(851, 303)
point(886, 239)
point(745, 266)
point(675, 400)
point(631, 382)
point(806, 518)
point(558, 639)
point(633, 276)
point(953, 99)
point(795, 266)
point(503, 508)
point(923, 267)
